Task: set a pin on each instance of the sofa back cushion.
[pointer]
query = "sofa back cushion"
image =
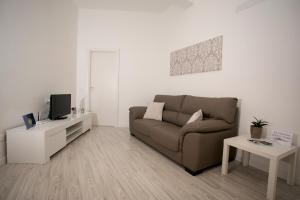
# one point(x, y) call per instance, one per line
point(219, 108)
point(172, 107)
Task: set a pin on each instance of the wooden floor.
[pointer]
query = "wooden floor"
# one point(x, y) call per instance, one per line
point(107, 163)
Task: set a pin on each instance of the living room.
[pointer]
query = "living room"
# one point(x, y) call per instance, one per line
point(47, 48)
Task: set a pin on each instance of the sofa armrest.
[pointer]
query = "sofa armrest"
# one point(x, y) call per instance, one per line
point(137, 112)
point(201, 150)
point(206, 126)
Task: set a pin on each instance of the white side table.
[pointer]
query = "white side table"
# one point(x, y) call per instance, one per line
point(275, 153)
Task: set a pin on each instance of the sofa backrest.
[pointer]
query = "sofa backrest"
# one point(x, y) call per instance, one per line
point(178, 109)
point(171, 108)
point(219, 108)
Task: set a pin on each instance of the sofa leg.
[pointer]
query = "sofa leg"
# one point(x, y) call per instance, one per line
point(193, 173)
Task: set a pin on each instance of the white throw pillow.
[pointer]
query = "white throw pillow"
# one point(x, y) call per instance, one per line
point(196, 116)
point(154, 111)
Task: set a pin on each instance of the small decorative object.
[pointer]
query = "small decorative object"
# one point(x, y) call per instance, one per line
point(82, 110)
point(29, 120)
point(202, 57)
point(74, 111)
point(283, 137)
point(256, 127)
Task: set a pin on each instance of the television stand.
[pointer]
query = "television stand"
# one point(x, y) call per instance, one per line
point(38, 144)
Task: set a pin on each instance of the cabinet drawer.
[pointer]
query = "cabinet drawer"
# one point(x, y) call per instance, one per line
point(55, 142)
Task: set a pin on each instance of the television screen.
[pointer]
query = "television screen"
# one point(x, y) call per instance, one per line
point(60, 105)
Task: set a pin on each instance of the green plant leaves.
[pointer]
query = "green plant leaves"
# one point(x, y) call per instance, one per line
point(259, 122)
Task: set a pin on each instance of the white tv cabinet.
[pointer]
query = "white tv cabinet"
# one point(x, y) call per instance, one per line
point(37, 144)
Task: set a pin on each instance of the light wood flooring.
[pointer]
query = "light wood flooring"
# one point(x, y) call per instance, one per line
point(107, 163)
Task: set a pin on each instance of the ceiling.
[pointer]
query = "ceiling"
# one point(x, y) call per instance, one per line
point(132, 5)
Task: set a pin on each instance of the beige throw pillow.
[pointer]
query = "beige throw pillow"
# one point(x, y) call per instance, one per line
point(154, 111)
point(196, 116)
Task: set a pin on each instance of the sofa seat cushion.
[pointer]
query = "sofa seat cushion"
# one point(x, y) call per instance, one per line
point(144, 126)
point(167, 135)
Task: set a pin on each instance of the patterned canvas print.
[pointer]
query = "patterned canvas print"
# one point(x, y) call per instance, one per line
point(202, 57)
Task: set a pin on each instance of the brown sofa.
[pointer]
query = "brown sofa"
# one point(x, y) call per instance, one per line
point(196, 146)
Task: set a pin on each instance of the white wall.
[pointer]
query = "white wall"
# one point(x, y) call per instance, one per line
point(37, 57)
point(138, 36)
point(260, 57)
point(261, 63)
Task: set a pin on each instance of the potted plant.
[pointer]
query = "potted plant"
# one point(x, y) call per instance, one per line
point(256, 127)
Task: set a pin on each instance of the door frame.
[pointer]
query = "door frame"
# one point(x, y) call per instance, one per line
point(91, 51)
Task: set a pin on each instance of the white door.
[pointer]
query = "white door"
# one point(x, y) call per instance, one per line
point(104, 87)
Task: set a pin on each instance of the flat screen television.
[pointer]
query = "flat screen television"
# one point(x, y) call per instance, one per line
point(60, 106)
